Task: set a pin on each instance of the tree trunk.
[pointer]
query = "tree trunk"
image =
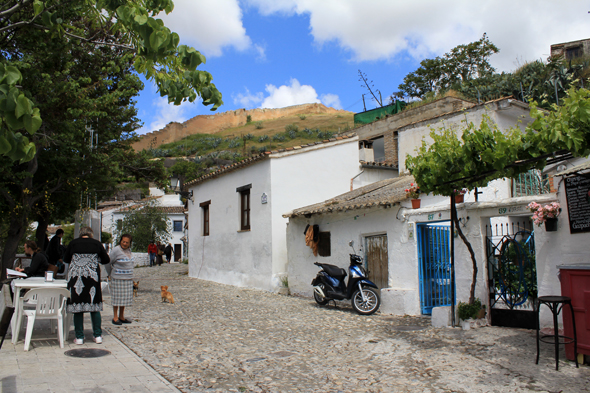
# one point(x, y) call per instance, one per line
point(41, 232)
point(19, 218)
point(16, 231)
point(473, 260)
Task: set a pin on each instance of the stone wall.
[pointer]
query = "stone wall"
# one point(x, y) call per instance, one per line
point(141, 259)
point(409, 116)
point(210, 124)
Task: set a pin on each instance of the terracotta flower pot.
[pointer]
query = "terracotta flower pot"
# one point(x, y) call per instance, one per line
point(415, 203)
point(551, 224)
point(459, 198)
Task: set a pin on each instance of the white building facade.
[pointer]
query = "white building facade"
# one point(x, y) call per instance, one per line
point(237, 234)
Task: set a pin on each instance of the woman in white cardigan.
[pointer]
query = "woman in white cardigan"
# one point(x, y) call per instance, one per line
point(120, 271)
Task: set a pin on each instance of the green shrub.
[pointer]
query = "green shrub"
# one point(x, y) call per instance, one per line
point(278, 137)
point(248, 119)
point(258, 125)
point(467, 310)
point(302, 117)
point(248, 136)
point(291, 127)
point(262, 138)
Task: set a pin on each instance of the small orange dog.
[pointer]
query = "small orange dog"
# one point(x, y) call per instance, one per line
point(166, 295)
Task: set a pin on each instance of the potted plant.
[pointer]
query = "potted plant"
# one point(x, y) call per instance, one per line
point(414, 193)
point(545, 214)
point(459, 195)
point(471, 311)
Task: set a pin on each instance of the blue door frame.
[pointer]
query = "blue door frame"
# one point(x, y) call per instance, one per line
point(434, 259)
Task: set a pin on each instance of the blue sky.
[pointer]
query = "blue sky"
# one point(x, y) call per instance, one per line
point(276, 53)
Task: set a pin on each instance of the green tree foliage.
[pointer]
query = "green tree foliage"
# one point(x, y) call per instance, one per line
point(145, 224)
point(76, 87)
point(127, 25)
point(463, 63)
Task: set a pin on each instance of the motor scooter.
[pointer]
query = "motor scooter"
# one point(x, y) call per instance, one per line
point(329, 285)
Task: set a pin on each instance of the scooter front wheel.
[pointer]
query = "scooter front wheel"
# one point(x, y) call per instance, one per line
point(371, 303)
point(320, 299)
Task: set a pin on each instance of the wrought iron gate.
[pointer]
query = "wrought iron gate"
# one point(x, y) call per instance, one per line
point(434, 256)
point(512, 274)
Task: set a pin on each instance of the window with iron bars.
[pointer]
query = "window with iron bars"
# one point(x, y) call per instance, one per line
point(533, 182)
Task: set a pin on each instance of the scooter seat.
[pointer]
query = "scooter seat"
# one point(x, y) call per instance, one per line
point(334, 271)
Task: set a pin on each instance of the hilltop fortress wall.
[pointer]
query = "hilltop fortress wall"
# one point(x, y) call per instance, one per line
point(210, 124)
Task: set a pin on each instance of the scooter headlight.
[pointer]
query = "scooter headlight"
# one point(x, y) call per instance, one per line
point(355, 272)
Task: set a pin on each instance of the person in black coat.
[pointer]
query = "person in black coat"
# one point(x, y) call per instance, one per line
point(39, 263)
point(168, 252)
point(54, 252)
point(84, 255)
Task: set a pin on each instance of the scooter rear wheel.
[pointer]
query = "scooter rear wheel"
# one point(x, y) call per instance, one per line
point(319, 299)
point(369, 306)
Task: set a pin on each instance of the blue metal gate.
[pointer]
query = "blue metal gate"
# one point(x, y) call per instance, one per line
point(434, 256)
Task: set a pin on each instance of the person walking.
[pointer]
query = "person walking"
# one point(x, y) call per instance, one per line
point(152, 251)
point(84, 255)
point(39, 264)
point(120, 271)
point(160, 254)
point(168, 252)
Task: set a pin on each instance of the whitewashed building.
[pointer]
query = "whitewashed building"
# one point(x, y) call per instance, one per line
point(396, 238)
point(236, 229)
point(169, 204)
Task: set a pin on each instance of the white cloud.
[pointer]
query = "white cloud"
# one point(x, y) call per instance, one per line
point(295, 94)
point(209, 26)
point(384, 29)
point(261, 52)
point(248, 100)
point(164, 113)
point(331, 100)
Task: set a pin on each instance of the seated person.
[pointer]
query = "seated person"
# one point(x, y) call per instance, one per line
point(39, 263)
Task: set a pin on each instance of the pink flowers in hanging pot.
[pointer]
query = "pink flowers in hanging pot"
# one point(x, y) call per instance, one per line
point(542, 213)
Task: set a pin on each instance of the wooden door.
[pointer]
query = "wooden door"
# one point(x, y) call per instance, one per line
point(376, 260)
point(177, 252)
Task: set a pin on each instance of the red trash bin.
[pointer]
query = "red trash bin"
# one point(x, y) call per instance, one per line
point(575, 284)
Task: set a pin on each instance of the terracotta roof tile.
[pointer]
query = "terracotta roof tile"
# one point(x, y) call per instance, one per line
point(382, 193)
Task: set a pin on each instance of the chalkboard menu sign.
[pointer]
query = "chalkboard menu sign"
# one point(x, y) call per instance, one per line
point(577, 192)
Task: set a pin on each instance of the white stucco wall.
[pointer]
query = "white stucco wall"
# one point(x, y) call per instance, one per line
point(228, 255)
point(290, 179)
point(558, 248)
point(403, 294)
point(372, 175)
point(410, 137)
point(301, 179)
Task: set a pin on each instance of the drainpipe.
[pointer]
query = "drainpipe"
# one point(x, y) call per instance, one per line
point(351, 180)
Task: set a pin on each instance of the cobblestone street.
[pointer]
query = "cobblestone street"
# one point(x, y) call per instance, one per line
point(222, 338)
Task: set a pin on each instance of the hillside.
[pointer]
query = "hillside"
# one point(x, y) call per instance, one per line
point(235, 124)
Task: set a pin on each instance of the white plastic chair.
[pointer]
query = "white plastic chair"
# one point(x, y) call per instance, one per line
point(51, 304)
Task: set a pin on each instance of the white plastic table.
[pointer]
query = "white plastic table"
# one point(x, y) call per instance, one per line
point(29, 283)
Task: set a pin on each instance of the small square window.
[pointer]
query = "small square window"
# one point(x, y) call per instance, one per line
point(324, 244)
point(177, 226)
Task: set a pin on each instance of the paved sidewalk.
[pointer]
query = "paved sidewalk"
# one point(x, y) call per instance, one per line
point(45, 367)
